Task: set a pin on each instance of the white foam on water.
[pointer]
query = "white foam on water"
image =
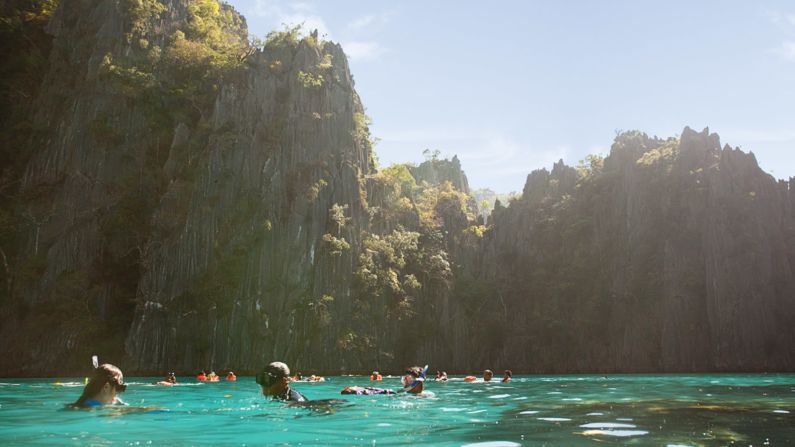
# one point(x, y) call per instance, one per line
point(554, 392)
point(520, 398)
point(595, 414)
point(554, 419)
point(446, 410)
point(384, 424)
point(617, 433)
point(781, 411)
point(499, 396)
point(493, 444)
point(8, 384)
point(571, 398)
point(475, 411)
point(607, 425)
point(528, 412)
point(678, 445)
point(624, 419)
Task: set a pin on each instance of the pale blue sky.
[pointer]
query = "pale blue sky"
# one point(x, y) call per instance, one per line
point(512, 86)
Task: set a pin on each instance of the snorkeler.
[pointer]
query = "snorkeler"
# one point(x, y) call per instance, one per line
point(376, 376)
point(365, 390)
point(487, 375)
point(275, 382)
point(412, 383)
point(413, 380)
point(202, 377)
point(170, 380)
point(507, 376)
point(230, 376)
point(103, 387)
point(212, 377)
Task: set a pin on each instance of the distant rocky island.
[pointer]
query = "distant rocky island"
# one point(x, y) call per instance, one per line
point(177, 197)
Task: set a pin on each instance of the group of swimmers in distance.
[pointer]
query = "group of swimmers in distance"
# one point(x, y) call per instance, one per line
point(488, 375)
point(213, 377)
point(107, 382)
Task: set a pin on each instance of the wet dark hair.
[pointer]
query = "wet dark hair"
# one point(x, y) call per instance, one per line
point(105, 373)
point(508, 373)
point(272, 373)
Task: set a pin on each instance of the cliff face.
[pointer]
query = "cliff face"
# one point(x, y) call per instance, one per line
point(437, 171)
point(88, 146)
point(239, 281)
point(670, 255)
point(176, 206)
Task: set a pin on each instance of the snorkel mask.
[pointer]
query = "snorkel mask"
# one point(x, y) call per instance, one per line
point(267, 379)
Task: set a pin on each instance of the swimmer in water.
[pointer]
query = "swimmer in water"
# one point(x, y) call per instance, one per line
point(170, 380)
point(487, 375)
point(441, 376)
point(275, 382)
point(413, 380)
point(103, 388)
point(507, 376)
point(365, 390)
point(376, 376)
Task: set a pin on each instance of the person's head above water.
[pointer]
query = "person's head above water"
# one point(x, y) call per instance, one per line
point(103, 387)
point(487, 375)
point(275, 382)
point(413, 380)
point(171, 377)
point(507, 374)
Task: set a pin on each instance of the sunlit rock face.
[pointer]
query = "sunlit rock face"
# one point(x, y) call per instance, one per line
point(675, 255)
point(236, 283)
point(436, 171)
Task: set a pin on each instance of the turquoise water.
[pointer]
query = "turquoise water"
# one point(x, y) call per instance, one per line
point(667, 410)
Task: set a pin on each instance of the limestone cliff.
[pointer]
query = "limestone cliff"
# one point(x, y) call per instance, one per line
point(243, 276)
point(668, 255)
point(436, 171)
point(189, 199)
